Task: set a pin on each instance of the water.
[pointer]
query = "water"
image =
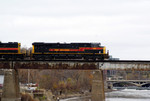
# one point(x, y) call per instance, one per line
point(1, 79)
point(126, 99)
point(123, 95)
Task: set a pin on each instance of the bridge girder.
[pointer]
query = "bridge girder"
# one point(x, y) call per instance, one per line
point(70, 64)
point(48, 65)
point(126, 65)
point(138, 83)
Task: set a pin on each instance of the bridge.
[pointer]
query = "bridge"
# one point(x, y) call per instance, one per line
point(138, 83)
point(11, 82)
point(76, 64)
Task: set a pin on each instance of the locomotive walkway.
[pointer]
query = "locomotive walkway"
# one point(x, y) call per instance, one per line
point(11, 76)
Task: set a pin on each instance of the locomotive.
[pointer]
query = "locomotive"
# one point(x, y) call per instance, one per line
point(84, 51)
point(54, 51)
point(11, 50)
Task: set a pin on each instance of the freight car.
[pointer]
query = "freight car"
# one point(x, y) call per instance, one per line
point(84, 51)
point(11, 51)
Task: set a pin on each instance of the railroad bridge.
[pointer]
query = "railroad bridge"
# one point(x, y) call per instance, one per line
point(11, 91)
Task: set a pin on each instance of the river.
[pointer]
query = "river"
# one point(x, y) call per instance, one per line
point(1, 79)
point(122, 95)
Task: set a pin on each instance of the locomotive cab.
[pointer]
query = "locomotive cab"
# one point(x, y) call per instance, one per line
point(10, 51)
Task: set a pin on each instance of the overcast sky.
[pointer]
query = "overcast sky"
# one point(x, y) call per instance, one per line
point(123, 26)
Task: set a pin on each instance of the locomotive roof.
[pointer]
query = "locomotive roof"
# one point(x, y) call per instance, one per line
point(9, 43)
point(41, 43)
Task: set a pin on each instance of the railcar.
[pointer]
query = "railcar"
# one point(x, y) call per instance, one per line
point(11, 50)
point(84, 51)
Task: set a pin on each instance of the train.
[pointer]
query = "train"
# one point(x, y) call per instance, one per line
point(54, 51)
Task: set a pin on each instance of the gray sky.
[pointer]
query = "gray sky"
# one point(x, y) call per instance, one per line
point(123, 26)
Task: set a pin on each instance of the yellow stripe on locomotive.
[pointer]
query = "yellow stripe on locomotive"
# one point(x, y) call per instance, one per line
point(33, 49)
point(19, 49)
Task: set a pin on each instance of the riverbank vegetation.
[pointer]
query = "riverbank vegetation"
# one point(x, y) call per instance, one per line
point(59, 81)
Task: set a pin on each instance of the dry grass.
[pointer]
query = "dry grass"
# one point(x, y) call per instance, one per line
point(27, 97)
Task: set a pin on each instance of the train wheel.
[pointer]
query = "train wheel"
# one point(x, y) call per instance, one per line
point(86, 58)
point(43, 58)
point(94, 59)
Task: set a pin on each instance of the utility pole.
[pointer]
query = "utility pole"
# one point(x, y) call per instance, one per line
point(28, 76)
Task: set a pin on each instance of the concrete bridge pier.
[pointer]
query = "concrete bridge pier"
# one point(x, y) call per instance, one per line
point(98, 93)
point(11, 89)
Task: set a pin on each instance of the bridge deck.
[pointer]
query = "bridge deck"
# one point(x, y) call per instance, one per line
point(75, 64)
point(128, 80)
point(32, 64)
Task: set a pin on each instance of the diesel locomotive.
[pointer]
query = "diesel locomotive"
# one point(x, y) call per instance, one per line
point(11, 50)
point(54, 51)
point(84, 51)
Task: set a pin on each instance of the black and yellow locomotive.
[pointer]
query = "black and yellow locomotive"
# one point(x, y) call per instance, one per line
point(87, 51)
point(11, 50)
